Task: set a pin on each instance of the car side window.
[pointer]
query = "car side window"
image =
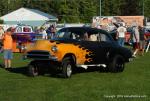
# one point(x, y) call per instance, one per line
point(83, 36)
point(67, 35)
point(72, 35)
point(94, 37)
point(19, 29)
point(60, 34)
point(104, 37)
point(26, 29)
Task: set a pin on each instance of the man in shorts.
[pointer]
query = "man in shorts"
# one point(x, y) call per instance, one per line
point(142, 39)
point(8, 55)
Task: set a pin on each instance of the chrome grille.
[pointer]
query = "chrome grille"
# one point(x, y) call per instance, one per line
point(38, 54)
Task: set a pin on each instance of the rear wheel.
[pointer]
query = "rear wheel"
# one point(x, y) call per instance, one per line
point(117, 64)
point(33, 69)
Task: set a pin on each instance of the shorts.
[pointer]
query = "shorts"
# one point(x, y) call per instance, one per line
point(142, 44)
point(8, 54)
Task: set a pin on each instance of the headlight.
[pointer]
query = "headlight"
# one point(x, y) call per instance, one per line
point(54, 48)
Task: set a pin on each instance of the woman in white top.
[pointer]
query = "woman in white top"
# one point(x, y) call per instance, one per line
point(121, 35)
point(136, 35)
point(136, 39)
point(43, 32)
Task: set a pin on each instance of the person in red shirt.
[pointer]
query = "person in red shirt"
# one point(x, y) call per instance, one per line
point(8, 55)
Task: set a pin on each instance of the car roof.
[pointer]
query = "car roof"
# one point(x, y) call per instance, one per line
point(83, 29)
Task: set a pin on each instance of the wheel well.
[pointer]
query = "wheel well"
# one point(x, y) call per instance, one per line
point(113, 55)
point(71, 56)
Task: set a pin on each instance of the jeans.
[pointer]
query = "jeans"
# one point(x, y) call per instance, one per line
point(121, 41)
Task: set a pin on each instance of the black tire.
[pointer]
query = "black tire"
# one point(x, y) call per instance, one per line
point(116, 64)
point(67, 67)
point(40, 66)
point(33, 69)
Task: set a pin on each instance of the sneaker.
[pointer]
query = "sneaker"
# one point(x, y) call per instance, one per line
point(134, 56)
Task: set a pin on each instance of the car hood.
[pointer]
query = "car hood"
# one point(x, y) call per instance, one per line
point(41, 45)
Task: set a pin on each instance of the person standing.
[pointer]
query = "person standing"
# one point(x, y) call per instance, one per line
point(1, 35)
point(43, 32)
point(48, 31)
point(136, 39)
point(142, 39)
point(121, 35)
point(8, 55)
point(52, 31)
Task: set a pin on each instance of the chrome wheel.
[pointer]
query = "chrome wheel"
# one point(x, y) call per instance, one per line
point(69, 70)
point(67, 66)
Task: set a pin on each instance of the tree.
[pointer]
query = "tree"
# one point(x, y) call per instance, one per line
point(130, 7)
point(79, 10)
point(146, 8)
point(87, 9)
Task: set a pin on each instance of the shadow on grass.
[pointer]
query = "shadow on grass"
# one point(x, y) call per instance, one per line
point(80, 70)
point(24, 71)
point(19, 70)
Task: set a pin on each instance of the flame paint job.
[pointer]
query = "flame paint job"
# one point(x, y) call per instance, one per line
point(81, 54)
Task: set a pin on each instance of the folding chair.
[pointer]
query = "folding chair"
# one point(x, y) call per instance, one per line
point(147, 47)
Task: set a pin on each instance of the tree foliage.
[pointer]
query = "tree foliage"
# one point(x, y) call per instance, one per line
point(79, 10)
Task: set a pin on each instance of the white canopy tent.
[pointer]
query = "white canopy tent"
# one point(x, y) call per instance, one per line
point(28, 16)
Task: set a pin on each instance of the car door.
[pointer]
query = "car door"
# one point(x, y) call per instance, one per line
point(92, 48)
point(82, 38)
point(106, 44)
point(89, 41)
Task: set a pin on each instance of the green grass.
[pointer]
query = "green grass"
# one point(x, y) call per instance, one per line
point(85, 86)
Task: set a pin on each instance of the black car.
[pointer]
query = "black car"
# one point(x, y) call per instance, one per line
point(78, 47)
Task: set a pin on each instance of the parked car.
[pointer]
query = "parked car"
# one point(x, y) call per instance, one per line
point(147, 32)
point(76, 47)
point(23, 35)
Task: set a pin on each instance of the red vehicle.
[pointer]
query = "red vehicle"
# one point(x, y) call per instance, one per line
point(147, 32)
point(22, 36)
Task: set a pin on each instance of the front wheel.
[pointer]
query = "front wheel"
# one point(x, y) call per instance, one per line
point(67, 67)
point(33, 69)
point(116, 64)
